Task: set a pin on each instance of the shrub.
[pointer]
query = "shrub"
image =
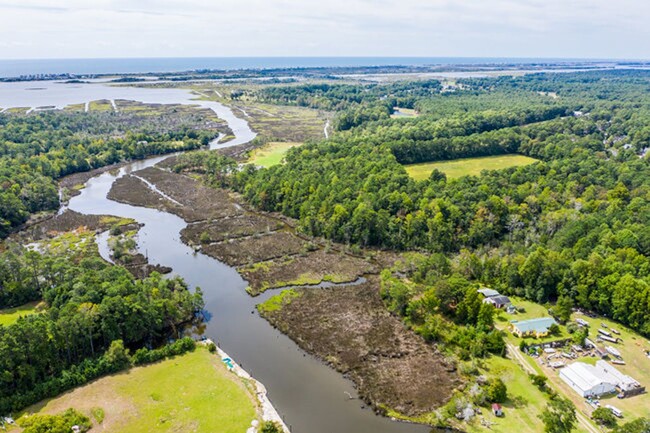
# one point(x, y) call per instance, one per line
point(270, 427)
point(497, 392)
point(604, 416)
point(61, 423)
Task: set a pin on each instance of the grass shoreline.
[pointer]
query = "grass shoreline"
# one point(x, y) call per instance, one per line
point(191, 392)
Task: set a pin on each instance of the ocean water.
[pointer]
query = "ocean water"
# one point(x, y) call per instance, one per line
point(15, 68)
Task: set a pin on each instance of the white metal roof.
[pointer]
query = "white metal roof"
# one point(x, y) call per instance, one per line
point(582, 376)
point(623, 381)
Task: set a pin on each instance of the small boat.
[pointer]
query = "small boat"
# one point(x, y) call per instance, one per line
point(608, 338)
point(615, 331)
point(603, 332)
point(618, 361)
point(613, 351)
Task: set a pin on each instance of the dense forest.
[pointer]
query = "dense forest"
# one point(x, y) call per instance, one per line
point(36, 149)
point(95, 312)
point(574, 225)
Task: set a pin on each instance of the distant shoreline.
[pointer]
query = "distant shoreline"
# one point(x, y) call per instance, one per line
point(75, 68)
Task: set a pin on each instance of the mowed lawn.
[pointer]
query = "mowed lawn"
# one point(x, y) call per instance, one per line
point(467, 166)
point(9, 316)
point(525, 402)
point(271, 153)
point(190, 393)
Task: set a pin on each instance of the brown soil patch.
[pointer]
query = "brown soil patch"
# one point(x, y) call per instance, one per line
point(229, 228)
point(207, 202)
point(311, 268)
point(350, 329)
point(139, 266)
point(65, 222)
point(194, 202)
point(256, 248)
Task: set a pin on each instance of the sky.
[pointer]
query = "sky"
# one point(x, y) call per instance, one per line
point(32, 29)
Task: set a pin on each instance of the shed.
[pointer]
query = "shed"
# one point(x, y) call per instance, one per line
point(497, 410)
point(535, 327)
point(601, 352)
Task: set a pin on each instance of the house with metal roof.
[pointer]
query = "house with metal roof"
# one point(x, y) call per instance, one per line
point(539, 327)
point(498, 301)
point(487, 293)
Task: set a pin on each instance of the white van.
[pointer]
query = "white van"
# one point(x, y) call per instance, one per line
point(615, 411)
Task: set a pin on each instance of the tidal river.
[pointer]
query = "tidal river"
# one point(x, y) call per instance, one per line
point(311, 397)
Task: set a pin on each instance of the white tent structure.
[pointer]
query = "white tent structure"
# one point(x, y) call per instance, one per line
point(588, 380)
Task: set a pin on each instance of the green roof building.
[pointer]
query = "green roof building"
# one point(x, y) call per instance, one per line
point(534, 327)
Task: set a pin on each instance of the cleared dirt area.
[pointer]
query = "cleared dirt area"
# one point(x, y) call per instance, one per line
point(310, 268)
point(228, 228)
point(349, 328)
point(257, 248)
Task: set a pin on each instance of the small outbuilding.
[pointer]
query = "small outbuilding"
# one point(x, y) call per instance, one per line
point(497, 410)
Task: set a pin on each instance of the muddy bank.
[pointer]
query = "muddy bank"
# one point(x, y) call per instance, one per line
point(304, 269)
point(71, 185)
point(176, 194)
point(229, 228)
point(256, 248)
point(349, 328)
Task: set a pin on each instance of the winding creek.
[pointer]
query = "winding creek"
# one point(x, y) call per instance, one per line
point(311, 397)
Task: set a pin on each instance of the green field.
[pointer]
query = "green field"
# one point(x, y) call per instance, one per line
point(271, 153)
point(467, 166)
point(525, 402)
point(190, 393)
point(10, 315)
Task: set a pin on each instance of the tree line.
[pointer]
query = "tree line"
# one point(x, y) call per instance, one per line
point(36, 149)
point(90, 306)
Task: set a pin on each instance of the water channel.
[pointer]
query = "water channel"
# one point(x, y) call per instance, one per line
point(311, 397)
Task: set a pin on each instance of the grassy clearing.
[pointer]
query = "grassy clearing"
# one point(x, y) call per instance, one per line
point(276, 302)
point(403, 113)
point(190, 393)
point(525, 402)
point(467, 166)
point(9, 316)
point(271, 153)
point(101, 105)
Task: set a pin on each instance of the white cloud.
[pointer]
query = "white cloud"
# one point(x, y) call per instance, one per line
point(134, 28)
